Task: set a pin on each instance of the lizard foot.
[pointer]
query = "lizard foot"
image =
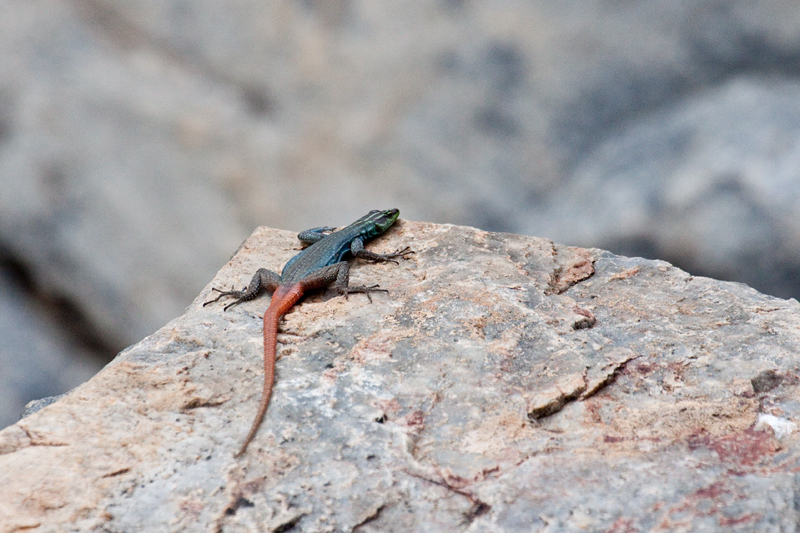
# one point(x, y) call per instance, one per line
point(239, 295)
point(401, 253)
point(391, 257)
point(362, 289)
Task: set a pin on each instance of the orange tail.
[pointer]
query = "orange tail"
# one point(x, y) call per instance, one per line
point(284, 297)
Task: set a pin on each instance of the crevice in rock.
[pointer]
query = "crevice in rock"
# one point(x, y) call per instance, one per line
point(289, 525)
point(64, 315)
point(371, 517)
point(574, 388)
point(765, 381)
point(479, 507)
point(117, 472)
point(552, 400)
point(587, 320)
point(608, 376)
point(576, 267)
point(196, 403)
point(240, 502)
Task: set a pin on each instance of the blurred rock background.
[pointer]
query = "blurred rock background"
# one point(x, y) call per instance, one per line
point(141, 142)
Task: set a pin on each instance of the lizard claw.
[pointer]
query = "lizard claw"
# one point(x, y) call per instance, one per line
point(222, 294)
point(236, 302)
point(399, 253)
point(363, 289)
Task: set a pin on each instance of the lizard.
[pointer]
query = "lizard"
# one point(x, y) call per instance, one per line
point(319, 265)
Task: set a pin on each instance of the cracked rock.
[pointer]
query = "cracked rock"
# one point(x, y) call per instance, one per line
point(465, 399)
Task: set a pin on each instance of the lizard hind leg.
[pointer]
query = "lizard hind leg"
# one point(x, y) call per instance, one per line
point(342, 283)
point(263, 279)
point(338, 275)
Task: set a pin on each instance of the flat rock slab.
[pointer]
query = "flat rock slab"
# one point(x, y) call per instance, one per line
point(505, 383)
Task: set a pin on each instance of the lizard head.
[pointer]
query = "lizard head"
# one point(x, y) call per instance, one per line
point(376, 222)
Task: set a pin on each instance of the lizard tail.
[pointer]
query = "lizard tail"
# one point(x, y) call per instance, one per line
point(284, 297)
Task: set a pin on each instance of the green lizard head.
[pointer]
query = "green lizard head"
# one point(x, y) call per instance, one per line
point(376, 222)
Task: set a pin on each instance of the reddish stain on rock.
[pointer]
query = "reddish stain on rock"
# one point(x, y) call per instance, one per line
point(622, 525)
point(645, 369)
point(712, 492)
point(744, 519)
point(747, 447)
point(744, 448)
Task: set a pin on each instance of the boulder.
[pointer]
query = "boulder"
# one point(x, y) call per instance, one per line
point(504, 383)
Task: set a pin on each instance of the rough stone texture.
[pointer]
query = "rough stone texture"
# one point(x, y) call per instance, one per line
point(141, 141)
point(505, 383)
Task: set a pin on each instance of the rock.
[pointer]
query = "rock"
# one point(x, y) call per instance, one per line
point(37, 358)
point(708, 182)
point(141, 142)
point(765, 381)
point(464, 399)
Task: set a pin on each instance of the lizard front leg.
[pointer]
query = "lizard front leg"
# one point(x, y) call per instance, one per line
point(310, 236)
point(263, 279)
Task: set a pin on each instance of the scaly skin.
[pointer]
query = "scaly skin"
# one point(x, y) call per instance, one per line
point(284, 297)
point(314, 267)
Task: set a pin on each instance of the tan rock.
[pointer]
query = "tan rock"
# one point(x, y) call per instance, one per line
point(464, 399)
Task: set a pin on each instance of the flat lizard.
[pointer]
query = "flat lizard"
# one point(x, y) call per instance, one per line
point(316, 266)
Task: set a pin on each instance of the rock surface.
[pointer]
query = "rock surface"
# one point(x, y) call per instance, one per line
point(505, 383)
point(142, 141)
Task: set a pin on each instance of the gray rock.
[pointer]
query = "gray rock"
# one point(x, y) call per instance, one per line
point(464, 400)
point(710, 183)
point(37, 405)
point(36, 358)
point(101, 175)
point(140, 142)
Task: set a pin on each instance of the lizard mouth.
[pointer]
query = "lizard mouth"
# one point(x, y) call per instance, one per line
point(387, 218)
